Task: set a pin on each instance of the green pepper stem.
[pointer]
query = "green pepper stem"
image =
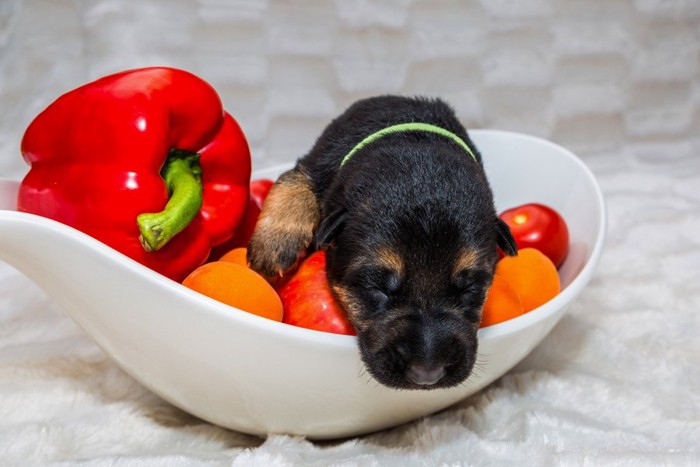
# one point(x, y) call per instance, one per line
point(183, 178)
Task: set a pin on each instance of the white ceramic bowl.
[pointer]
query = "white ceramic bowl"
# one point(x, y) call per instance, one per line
point(250, 374)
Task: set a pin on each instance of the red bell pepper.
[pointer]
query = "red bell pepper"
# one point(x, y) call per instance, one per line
point(146, 161)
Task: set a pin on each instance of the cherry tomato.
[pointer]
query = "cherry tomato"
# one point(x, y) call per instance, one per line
point(538, 226)
point(259, 189)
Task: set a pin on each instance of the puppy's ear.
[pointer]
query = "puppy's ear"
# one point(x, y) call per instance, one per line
point(504, 238)
point(330, 227)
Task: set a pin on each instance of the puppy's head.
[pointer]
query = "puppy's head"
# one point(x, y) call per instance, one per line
point(413, 280)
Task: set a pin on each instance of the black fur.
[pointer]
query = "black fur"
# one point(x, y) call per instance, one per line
point(421, 196)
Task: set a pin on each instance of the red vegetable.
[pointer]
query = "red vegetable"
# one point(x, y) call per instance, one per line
point(259, 190)
point(242, 235)
point(308, 301)
point(143, 157)
point(538, 226)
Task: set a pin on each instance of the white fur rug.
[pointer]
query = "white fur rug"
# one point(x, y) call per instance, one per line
point(617, 382)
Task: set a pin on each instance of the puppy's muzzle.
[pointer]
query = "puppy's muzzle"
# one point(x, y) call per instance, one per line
point(419, 352)
point(425, 375)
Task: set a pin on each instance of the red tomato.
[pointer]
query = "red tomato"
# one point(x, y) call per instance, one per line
point(308, 301)
point(258, 192)
point(259, 189)
point(538, 226)
point(242, 235)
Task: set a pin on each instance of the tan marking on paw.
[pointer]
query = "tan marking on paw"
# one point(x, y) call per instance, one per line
point(286, 225)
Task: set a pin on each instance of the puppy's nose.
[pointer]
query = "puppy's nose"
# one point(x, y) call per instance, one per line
point(425, 375)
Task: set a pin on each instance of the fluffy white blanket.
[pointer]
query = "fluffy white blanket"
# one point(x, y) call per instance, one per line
point(617, 382)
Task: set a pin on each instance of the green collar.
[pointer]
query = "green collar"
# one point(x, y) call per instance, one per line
point(402, 127)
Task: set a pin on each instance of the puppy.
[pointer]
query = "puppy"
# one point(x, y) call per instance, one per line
point(394, 189)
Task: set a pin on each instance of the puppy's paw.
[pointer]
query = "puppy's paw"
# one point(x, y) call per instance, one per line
point(286, 225)
point(273, 251)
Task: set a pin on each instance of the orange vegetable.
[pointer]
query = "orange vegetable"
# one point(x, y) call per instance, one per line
point(237, 256)
point(502, 303)
point(532, 275)
point(237, 286)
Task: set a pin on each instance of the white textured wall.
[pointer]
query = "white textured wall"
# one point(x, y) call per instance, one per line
point(596, 76)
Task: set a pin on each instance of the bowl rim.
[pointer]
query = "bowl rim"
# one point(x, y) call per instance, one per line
point(153, 278)
point(338, 340)
point(583, 277)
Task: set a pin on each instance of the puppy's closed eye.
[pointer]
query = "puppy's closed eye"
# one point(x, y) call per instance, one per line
point(379, 283)
point(387, 280)
point(469, 275)
point(387, 284)
point(381, 276)
point(366, 293)
point(472, 285)
point(470, 281)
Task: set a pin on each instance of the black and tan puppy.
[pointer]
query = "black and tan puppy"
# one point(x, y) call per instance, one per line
point(411, 230)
